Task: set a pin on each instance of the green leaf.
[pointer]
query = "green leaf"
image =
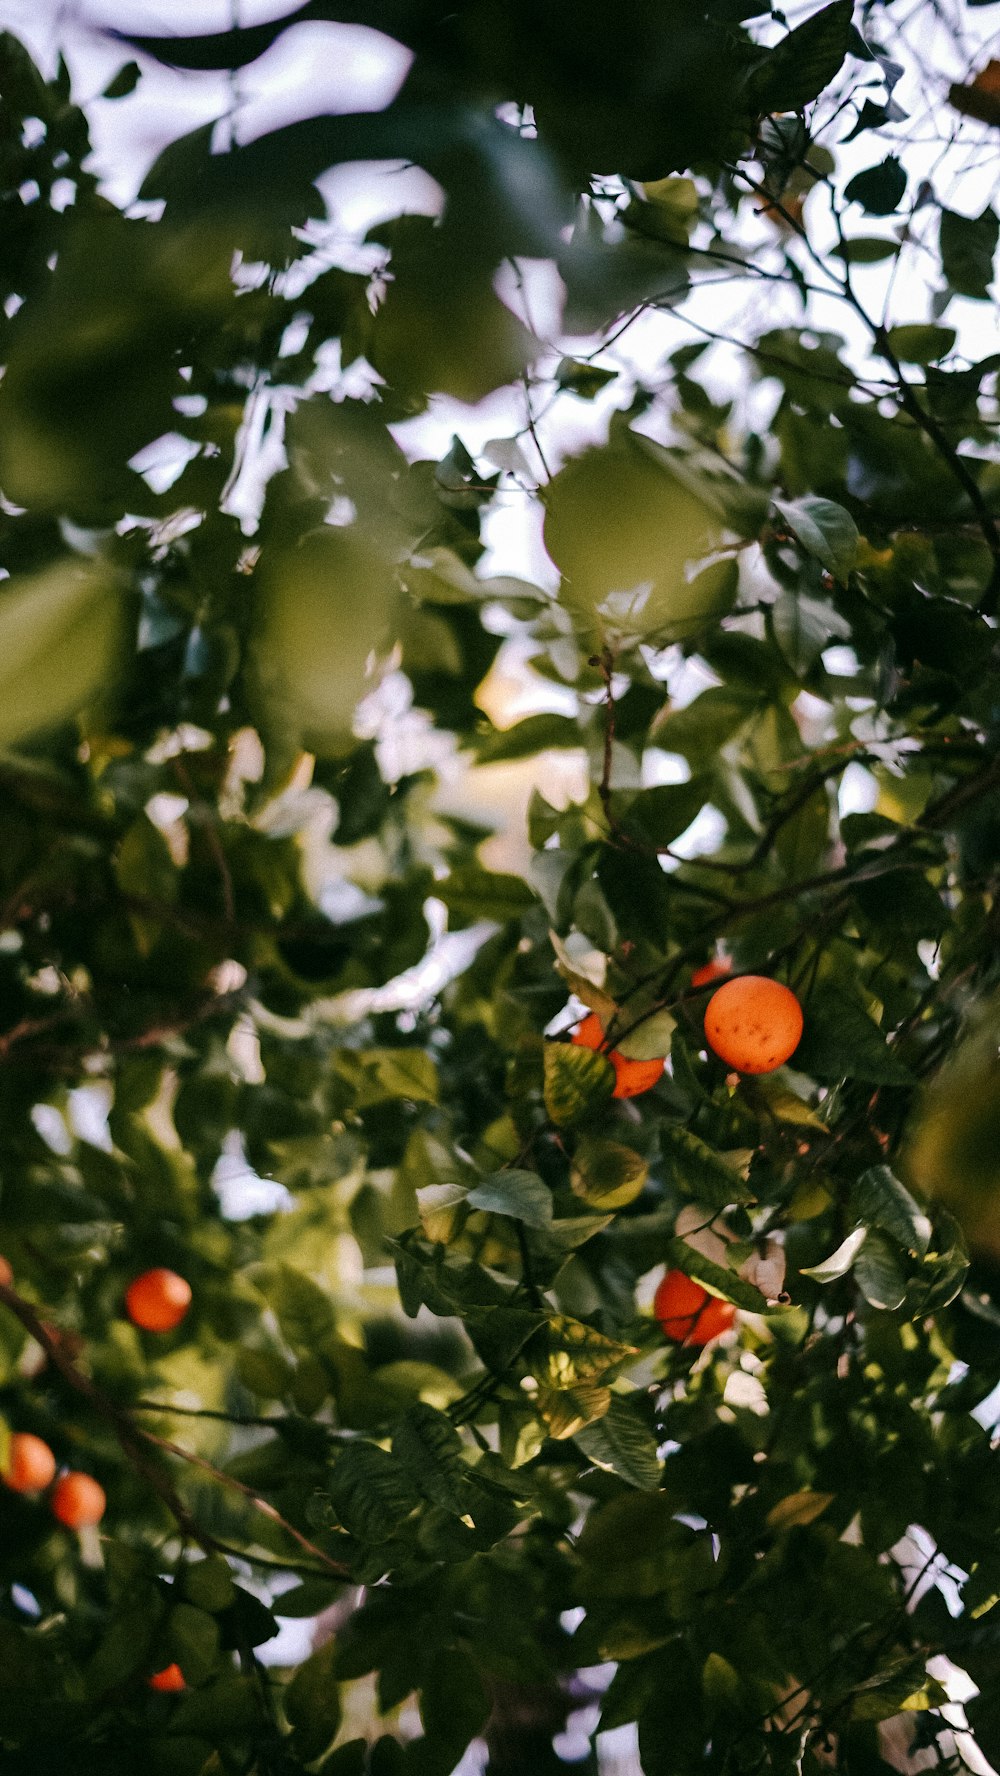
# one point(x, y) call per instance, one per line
point(430, 1449)
point(824, 530)
point(870, 251)
point(650, 1039)
point(193, 1640)
point(921, 344)
point(209, 1583)
point(840, 1041)
point(312, 1703)
point(623, 1444)
point(454, 1707)
point(535, 734)
point(803, 627)
point(840, 1261)
point(797, 69)
point(968, 245)
point(499, 1334)
point(585, 380)
point(699, 1171)
point(125, 1646)
point(385, 1074)
point(629, 1545)
point(879, 1273)
point(660, 815)
point(303, 1309)
point(715, 1277)
point(229, 1704)
point(482, 894)
point(664, 209)
point(577, 1081)
point(607, 1175)
point(879, 189)
point(124, 82)
point(60, 631)
point(880, 1200)
point(522, 1195)
point(705, 725)
point(371, 1491)
point(902, 1685)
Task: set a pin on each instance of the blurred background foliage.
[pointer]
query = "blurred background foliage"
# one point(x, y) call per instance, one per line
point(418, 1486)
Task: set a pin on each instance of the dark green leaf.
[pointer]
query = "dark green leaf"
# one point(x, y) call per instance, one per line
point(714, 1277)
point(371, 1492)
point(804, 62)
point(882, 1201)
point(879, 189)
point(824, 530)
point(840, 1041)
point(621, 1442)
point(312, 1703)
point(968, 246)
point(430, 1450)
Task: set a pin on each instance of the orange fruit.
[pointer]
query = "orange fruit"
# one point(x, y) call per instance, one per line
point(687, 1312)
point(6, 1274)
point(78, 1501)
point(753, 1024)
point(631, 1077)
point(169, 1679)
point(710, 971)
point(31, 1465)
point(158, 1300)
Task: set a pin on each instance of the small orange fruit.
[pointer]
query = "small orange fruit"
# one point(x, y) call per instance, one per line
point(78, 1501)
point(631, 1077)
point(753, 1024)
point(687, 1312)
point(169, 1679)
point(31, 1465)
point(6, 1274)
point(710, 971)
point(158, 1300)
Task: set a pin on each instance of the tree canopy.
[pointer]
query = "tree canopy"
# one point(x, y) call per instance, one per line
point(283, 1016)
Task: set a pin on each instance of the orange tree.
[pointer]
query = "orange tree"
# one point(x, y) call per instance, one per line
point(418, 1392)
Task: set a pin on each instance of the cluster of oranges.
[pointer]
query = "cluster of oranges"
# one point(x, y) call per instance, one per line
point(752, 1023)
point(157, 1301)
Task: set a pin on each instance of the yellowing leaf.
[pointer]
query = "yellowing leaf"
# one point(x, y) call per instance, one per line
point(577, 1353)
point(607, 1175)
point(576, 1080)
point(798, 1509)
point(568, 1410)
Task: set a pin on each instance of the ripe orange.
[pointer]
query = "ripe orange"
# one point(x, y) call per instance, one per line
point(158, 1300)
point(687, 1312)
point(169, 1679)
point(754, 1024)
point(710, 971)
point(78, 1501)
point(631, 1077)
point(31, 1465)
point(6, 1274)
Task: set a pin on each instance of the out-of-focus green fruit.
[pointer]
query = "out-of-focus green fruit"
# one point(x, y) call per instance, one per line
point(952, 1153)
